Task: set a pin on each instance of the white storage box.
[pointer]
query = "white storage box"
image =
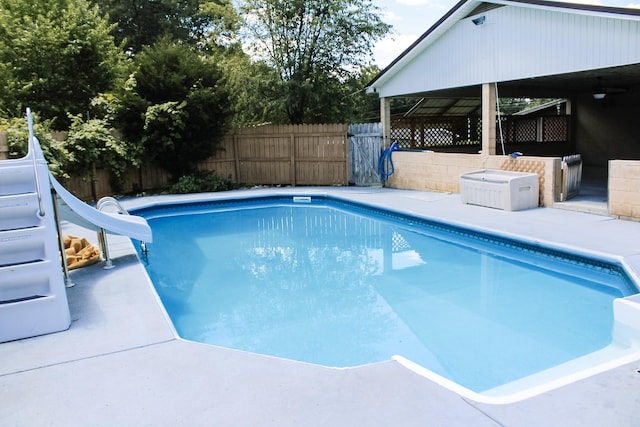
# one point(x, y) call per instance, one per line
point(511, 191)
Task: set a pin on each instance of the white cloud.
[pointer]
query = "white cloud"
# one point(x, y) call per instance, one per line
point(391, 16)
point(387, 49)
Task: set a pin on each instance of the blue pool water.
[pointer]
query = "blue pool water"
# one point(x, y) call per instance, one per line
point(339, 284)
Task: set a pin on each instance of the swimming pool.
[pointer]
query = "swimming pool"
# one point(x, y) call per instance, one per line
point(336, 283)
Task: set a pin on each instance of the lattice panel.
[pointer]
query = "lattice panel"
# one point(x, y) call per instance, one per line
point(519, 130)
point(429, 132)
point(555, 128)
point(403, 137)
point(530, 166)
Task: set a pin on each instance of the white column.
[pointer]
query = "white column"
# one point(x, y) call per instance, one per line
point(488, 119)
point(385, 118)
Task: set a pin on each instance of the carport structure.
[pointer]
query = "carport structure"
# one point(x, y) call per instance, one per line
point(585, 56)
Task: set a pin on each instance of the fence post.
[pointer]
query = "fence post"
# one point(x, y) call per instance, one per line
point(4, 146)
point(236, 156)
point(292, 141)
point(347, 149)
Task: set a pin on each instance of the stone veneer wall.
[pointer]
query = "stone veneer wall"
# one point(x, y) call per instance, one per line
point(624, 189)
point(441, 172)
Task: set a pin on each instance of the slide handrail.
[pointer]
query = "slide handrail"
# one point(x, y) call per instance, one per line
point(110, 201)
point(32, 148)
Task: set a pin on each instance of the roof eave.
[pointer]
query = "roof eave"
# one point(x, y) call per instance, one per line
point(464, 7)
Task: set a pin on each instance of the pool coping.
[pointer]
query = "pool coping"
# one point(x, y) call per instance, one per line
point(102, 301)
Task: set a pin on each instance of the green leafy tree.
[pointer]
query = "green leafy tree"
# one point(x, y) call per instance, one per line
point(91, 144)
point(345, 101)
point(55, 56)
point(197, 23)
point(254, 85)
point(310, 42)
point(175, 105)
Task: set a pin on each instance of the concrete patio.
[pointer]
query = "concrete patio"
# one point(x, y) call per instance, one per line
point(121, 363)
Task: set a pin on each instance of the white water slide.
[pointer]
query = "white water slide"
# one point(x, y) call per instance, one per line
point(78, 212)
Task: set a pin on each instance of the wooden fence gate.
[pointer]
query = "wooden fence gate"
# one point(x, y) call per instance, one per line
point(365, 142)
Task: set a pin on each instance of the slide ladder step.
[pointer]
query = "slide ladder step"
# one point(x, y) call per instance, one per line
point(17, 177)
point(24, 246)
point(19, 211)
point(25, 281)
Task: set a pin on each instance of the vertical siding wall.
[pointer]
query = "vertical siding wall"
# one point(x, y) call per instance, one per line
point(515, 43)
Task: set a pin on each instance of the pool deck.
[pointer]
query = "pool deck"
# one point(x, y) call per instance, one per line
point(121, 364)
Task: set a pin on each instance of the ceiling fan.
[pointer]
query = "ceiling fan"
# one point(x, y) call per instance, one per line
point(600, 91)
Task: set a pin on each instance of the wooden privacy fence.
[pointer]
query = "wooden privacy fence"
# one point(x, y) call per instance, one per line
point(263, 155)
point(284, 154)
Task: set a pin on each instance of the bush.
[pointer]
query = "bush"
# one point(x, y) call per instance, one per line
point(18, 139)
point(200, 182)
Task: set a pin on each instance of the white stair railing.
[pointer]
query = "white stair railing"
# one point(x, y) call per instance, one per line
point(32, 149)
point(103, 203)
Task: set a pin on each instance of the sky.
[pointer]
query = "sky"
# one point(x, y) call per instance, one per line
point(411, 18)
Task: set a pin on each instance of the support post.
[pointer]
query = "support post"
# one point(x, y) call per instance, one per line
point(385, 118)
point(104, 245)
point(65, 267)
point(488, 119)
point(4, 146)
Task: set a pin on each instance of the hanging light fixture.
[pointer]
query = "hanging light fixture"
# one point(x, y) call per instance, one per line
point(599, 92)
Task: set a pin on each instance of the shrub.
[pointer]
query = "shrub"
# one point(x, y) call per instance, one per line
point(200, 182)
point(175, 104)
point(18, 138)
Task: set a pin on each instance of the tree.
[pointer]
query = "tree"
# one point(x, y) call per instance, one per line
point(254, 86)
point(92, 143)
point(55, 56)
point(345, 101)
point(176, 105)
point(197, 23)
point(309, 42)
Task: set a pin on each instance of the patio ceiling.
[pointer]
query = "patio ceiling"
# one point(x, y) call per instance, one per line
point(462, 107)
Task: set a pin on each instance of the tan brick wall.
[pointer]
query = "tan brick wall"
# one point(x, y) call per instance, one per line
point(441, 172)
point(431, 171)
point(624, 189)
